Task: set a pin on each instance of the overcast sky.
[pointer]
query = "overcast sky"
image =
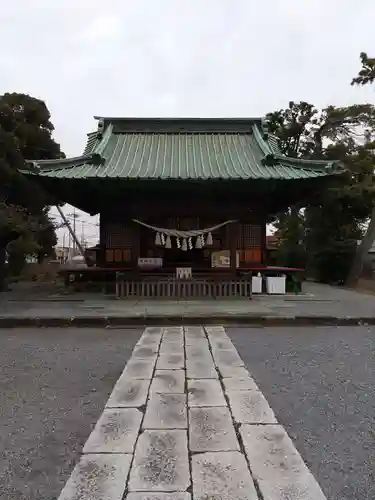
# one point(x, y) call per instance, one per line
point(181, 57)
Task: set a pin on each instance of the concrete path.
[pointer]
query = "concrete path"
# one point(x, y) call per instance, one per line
point(320, 304)
point(186, 421)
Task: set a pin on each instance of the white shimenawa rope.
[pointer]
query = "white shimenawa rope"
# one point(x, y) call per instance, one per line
point(163, 235)
point(177, 233)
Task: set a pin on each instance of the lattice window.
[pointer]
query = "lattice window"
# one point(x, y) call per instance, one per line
point(240, 243)
point(119, 236)
point(252, 236)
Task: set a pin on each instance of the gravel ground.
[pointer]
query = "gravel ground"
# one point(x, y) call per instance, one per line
point(320, 383)
point(53, 386)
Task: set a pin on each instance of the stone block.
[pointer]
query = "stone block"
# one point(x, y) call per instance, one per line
point(158, 496)
point(115, 432)
point(166, 411)
point(227, 371)
point(161, 462)
point(96, 477)
point(205, 393)
point(250, 407)
point(139, 368)
point(170, 362)
point(128, 393)
point(276, 464)
point(222, 476)
point(211, 429)
point(240, 384)
point(228, 358)
point(168, 381)
point(200, 368)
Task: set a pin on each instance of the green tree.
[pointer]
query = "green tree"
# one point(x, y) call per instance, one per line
point(331, 222)
point(365, 76)
point(367, 72)
point(25, 133)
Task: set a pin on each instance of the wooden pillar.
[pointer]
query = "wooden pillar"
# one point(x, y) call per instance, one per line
point(102, 241)
point(233, 233)
point(263, 228)
point(136, 245)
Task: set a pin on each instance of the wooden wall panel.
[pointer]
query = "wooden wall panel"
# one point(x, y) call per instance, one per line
point(253, 255)
point(119, 235)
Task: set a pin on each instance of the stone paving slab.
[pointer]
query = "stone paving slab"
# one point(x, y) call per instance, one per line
point(222, 476)
point(250, 407)
point(173, 334)
point(166, 411)
point(170, 362)
point(153, 330)
point(198, 349)
point(168, 381)
point(194, 333)
point(128, 393)
point(149, 341)
point(216, 332)
point(227, 371)
point(277, 465)
point(98, 477)
point(158, 496)
point(171, 404)
point(139, 368)
point(211, 429)
point(220, 343)
point(240, 384)
point(173, 330)
point(227, 358)
point(161, 462)
point(172, 348)
point(115, 432)
point(200, 368)
point(205, 393)
point(145, 352)
point(173, 339)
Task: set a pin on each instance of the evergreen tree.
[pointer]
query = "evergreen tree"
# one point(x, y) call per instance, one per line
point(25, 133)
point(328, 226)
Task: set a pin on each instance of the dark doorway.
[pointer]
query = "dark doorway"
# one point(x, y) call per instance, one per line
point(175, 257)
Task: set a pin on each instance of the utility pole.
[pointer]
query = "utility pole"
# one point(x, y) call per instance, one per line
point(71, 231)
point(63, 250)
point(75, 216)
point(83, 243)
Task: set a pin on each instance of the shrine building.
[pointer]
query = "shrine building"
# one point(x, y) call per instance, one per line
point(185, 194)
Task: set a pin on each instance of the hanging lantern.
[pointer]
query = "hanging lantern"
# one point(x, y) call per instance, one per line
point(168, 243)
point(198, 243)
point(184, 245)
point(209, 239)
point(157, 239)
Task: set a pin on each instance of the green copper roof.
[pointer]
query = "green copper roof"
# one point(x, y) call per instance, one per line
point(182, 149)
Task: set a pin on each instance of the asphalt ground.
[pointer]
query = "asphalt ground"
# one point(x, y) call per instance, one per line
point(54, 384)
point(320, 384)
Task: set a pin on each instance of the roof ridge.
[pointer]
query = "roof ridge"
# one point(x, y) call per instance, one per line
point(306, 162)
point(91, 158)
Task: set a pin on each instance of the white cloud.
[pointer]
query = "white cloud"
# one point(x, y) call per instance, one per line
point(101, 28)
